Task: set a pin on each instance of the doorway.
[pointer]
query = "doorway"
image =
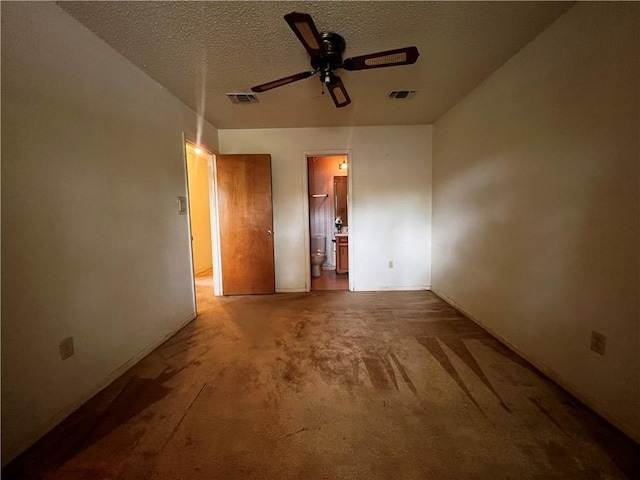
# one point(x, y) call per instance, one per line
point(328, 221)
point(199, 195)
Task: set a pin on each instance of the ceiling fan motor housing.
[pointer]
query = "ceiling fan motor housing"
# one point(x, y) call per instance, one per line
point(334, 46)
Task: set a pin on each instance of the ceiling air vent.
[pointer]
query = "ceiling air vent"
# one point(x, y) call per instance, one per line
point(402, 93)
point(242, 97)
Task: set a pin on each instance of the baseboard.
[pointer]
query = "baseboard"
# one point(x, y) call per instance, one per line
point(203, 270)
point(380, 288)
point(13, 452)
point(366, 289)
point(551, 374)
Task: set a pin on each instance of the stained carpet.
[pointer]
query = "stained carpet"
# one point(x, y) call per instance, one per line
point(336, 385)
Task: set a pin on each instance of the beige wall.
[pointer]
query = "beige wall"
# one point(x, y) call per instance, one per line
point(536, 204)
point(92, 244)
point(390, 214)
point(198, 173)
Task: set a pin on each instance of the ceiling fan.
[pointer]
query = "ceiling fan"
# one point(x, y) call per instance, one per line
point(326, 50)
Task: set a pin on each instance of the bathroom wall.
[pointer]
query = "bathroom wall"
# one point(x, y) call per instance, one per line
point(390, 218)
point(199, 210)
point(321, 210)
point(93, 246)
point(537, 201)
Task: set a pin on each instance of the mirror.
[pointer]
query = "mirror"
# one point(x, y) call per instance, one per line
point(340, 199)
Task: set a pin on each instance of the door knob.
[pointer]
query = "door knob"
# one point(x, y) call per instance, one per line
point(269, 232)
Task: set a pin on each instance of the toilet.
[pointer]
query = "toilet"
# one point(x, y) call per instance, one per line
point(318, 254)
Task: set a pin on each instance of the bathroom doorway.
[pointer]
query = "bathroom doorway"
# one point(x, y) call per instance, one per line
point(328, 221)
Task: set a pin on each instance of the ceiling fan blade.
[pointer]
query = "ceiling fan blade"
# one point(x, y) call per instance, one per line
point(306, 31)
point(339, 93)
point(389, 58)
point(282, 81)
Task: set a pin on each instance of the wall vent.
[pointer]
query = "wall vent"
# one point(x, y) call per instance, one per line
point(402, 93)
point(242, 97)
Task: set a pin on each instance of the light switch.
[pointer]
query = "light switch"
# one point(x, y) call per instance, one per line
point(182, 205)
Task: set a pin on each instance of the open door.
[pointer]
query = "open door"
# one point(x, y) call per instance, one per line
point(246, 224)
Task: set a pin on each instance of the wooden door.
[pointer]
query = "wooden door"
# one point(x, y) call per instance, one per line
point(246, 224)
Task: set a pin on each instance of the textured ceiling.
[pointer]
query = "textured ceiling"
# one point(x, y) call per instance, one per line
point(201, 50)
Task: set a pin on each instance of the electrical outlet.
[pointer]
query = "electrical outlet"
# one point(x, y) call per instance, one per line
point(390, 263)
point(66, 348)
point(598, 342)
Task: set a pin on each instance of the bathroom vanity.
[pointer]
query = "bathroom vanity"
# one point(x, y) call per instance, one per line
point(342, 252)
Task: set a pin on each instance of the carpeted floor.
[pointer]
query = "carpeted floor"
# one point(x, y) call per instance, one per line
point(334, 385)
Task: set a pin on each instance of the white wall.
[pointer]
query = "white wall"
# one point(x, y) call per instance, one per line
point(92, 245)
point(198, 174)
point(390, 217)
point(536, 205)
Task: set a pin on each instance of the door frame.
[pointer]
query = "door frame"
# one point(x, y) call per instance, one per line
point(192, 266)
point(215, 227)
point(213, 216)
point(305, 207)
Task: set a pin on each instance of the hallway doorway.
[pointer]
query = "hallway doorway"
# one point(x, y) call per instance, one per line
point(199, 188)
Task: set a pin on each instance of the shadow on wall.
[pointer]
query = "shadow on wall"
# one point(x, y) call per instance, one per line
point(519, 245)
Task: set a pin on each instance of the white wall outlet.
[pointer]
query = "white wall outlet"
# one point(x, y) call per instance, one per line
point(66, 348)
point(390, 263)
point(598, 342)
